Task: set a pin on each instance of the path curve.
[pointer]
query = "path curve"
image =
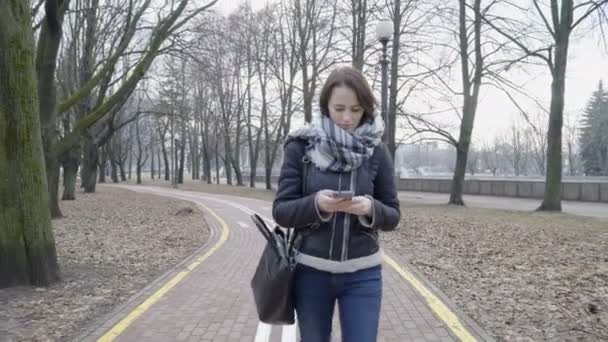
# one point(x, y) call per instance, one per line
point(209, 298)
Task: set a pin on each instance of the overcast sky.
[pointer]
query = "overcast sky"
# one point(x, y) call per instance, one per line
point(587, 65)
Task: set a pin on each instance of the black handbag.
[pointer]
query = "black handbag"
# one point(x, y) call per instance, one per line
point(272, 282)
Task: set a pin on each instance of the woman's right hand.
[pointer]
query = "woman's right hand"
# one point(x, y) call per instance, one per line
point(328, 203)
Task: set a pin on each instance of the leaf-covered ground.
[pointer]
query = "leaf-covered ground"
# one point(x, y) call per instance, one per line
point(110, 245)
point(523, 276)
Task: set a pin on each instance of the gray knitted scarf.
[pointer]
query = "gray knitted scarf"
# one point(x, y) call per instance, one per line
point(332, 148)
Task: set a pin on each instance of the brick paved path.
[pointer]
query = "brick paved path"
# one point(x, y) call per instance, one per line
point(213, 301)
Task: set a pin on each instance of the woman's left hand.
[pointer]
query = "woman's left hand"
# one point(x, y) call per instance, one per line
point(359, 205)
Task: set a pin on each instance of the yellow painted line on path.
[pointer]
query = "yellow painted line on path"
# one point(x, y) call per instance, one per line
point(121, 326)
point(440, 309)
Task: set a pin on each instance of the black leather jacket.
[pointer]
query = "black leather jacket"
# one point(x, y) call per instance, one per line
point(342, 236)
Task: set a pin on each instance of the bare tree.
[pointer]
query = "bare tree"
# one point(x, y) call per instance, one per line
point(174, 19)
point(315, 23)
point(479, 59)
point(556, 25)
point(142, 153)
point(517, 149)
point(49, 40)
point(407, 49)
point(220, 64)
point(570, 144)
point(404, 14)
point(203, 112)
point(262, 55)
point(162, 127)
point(250, 70)
point(284, 69)
point(491, 156)
point(358, 12)
point(536, 140)
point(103, 164)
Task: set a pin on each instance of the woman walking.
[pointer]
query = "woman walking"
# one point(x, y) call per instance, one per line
point(337, 189)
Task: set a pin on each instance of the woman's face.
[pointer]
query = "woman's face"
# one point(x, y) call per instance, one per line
point(344, 108)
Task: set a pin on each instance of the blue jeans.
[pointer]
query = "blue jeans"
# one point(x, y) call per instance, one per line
point(359, 295)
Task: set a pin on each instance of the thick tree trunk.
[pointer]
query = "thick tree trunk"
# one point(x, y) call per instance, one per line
point(252, 156)
point(53, 173)
point(237, 168)
point(206, 155)
point(46, 61)
point(227, 154)
point(268, 171)
point(88, 170)
point(159, 163)
point(113, 171)
point(462, 151)
point(182, 157)
point(267, 166)
point(138, 173)
point(252, 161)
point(27, 246)
point(254, 165)
point(207, 167)
point(73, 156)
point(194, 151)
point(69, 162)
point(217, 161)
point(103, 165)
point(113, 167)
point(470, 99)
point(130, 163)
point(152, 161)
point(123, 175)
point(458, 177)
point(89, 165)
point(166, 159)
point(236, 159)
point(70, 170)
point(553, 181)
point(121, 166)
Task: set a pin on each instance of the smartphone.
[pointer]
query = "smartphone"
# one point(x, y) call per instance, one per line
point(344, 194)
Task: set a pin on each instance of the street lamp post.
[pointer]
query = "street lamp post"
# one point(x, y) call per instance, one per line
point(384, 31)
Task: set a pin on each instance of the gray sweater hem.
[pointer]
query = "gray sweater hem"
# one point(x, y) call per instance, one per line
point(348, 266)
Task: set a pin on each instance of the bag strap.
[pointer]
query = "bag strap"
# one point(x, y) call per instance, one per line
point(261, 225)
point(292, 233)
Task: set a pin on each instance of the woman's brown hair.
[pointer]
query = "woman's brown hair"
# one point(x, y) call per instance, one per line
point(353, 79)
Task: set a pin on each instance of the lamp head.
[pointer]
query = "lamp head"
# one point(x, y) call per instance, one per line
point(384, 30)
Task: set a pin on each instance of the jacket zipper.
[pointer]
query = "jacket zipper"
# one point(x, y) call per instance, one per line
point(346, 232)
point(335, 220)
point(305, 162)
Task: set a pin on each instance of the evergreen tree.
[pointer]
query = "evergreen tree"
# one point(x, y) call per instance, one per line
point(594, 134)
